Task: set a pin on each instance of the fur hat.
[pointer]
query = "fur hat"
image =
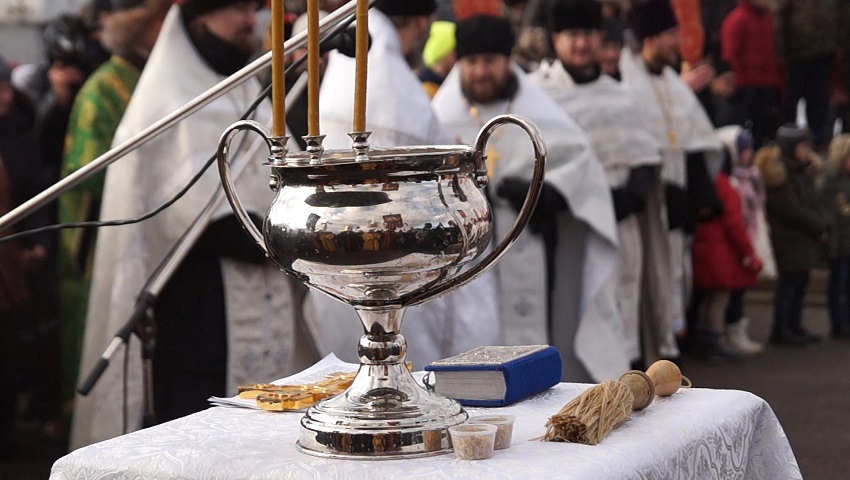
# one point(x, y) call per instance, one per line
point(769, 162)
point(195, 8)
point(576, 14)
point(484, 34)
point(407, 8)
point(650, 18)
point(124, 28)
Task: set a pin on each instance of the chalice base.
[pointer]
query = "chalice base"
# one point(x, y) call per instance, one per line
point(384, 414)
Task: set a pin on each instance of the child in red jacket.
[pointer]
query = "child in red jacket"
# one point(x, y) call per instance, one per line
point(723, 260)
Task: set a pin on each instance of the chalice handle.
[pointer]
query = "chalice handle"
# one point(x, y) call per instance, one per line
point(227, 181)
point(524, 214)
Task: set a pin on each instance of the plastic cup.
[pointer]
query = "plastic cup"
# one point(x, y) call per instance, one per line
point(473, 442)
point(504, 428)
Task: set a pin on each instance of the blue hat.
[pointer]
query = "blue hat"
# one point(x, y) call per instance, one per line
point(745, 140)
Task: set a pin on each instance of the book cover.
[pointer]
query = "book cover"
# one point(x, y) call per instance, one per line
point(495, 376)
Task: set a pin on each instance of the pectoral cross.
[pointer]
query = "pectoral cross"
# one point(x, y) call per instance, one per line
point(492, 154)
point(671, 137)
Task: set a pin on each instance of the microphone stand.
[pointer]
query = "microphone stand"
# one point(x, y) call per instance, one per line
point(141, 321)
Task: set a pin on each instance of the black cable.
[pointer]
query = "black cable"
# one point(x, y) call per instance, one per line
point(152, 213)
point(115, 223)
point(125, 409)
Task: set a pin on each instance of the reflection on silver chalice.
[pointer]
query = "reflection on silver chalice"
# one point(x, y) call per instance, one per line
point(381, 230)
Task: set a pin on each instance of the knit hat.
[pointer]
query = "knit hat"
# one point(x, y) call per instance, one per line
point(407, 8)
point(195, 8)
point(576, 14)
point(744, 141)
point(441, 42)
point(651, 18)
point(5, 70)
point(789, 136)
point(484, 34)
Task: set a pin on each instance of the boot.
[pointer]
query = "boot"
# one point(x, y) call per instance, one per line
point(784, 336)
point(809, 336)
point(739, 340)
point(715, 347)
point(840, 332)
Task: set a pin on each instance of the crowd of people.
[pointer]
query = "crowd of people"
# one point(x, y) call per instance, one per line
point(681, 172)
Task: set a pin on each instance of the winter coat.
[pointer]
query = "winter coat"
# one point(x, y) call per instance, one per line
point(13, 292)
point(748, 43)
point(721, 245)
point(23, 176)
point(22, 155)
point(836, 200)
point(793, 211)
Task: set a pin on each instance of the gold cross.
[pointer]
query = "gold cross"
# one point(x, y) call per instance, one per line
point(671, 137)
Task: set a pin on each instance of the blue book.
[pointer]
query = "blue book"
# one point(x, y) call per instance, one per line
point(495, 376)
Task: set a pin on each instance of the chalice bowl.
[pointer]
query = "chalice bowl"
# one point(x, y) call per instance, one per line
point(381, 230)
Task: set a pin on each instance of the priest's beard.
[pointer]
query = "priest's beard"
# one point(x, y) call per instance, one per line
point(244, 42)
point(414, 59)
point(490, 89)
point(225, 56)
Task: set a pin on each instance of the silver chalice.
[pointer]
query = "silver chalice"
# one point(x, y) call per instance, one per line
point(381, 230)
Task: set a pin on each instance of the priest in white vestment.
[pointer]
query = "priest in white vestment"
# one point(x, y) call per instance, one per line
point(256, 340)
point(673, 115)
point(555, 285)
point(628, 153)
point(398, 113)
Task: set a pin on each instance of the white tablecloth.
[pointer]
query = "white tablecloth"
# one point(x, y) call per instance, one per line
point(695, 434)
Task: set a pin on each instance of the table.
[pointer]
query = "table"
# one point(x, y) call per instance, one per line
point(694, 434)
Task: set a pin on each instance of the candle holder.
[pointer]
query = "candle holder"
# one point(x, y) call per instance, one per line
point(360, 145)
point(314, 148)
